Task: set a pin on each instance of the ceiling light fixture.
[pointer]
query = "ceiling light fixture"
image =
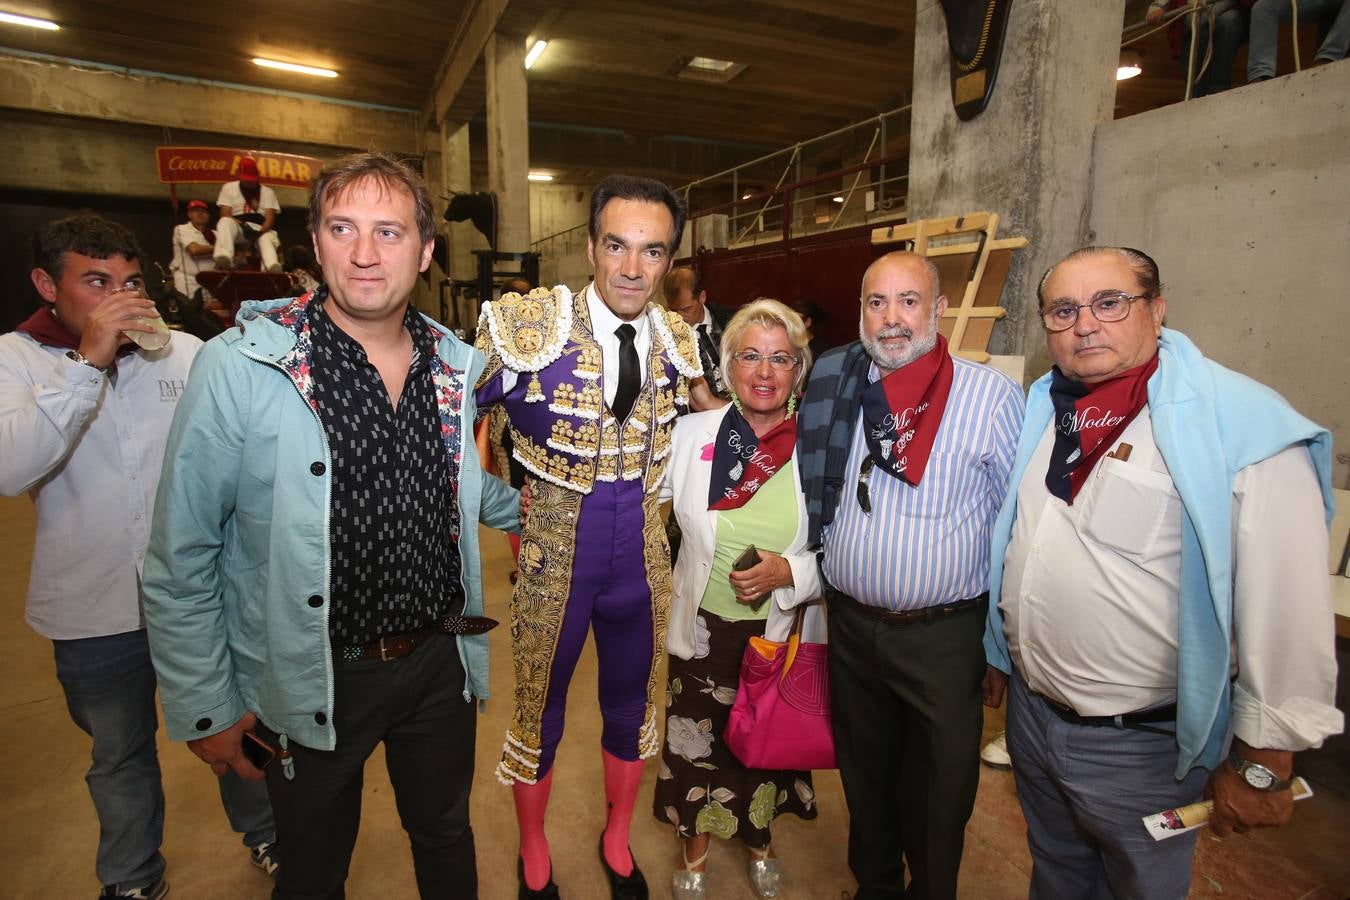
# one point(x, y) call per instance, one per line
point(539, 176)
point(294, 67)
point(535, 52)
point(838, 199)
point(12, 19)
point(1131, 64)
point(705, 68)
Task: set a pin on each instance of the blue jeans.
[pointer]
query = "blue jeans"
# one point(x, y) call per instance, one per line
point(1230, 33)
point(1084, 791)
point(1268, 15)
point(109, 683)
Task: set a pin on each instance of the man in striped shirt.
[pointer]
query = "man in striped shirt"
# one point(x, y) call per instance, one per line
point(905, 453)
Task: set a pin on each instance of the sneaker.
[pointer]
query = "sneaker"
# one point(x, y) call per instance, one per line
point(224, 263)
point(145, 892)
point(995, 753)
point(266, 857)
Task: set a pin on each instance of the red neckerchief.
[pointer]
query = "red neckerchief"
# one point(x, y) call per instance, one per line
point(742, 461)
point(1089, 418)
point(45, 328)
point(902, 412)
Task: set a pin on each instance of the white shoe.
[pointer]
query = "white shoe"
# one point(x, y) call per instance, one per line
point(995, 753)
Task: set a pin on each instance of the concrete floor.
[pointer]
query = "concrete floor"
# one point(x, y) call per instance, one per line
point(50, 831)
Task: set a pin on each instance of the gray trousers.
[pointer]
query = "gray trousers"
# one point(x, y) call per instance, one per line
point(1084, 791)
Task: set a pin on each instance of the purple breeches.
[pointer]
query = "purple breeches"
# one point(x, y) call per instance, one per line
point(610, 594)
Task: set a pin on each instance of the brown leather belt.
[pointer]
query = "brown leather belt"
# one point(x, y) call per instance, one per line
point(397, 646)
point(910, 616)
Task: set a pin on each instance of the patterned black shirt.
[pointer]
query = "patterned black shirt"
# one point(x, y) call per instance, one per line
point(395, 520)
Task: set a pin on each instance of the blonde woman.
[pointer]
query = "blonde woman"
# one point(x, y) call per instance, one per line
point(735, 483)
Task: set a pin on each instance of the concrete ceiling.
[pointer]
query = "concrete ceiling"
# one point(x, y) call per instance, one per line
point(811, 65)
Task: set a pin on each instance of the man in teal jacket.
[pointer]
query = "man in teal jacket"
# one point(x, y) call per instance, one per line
point(313, 578)
point(1158, 590)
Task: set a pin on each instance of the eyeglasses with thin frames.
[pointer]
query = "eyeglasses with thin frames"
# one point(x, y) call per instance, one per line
point(781, 362)
point(1107, 306)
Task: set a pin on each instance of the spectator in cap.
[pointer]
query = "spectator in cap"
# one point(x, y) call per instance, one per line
point(247, 204)
point(193, 245)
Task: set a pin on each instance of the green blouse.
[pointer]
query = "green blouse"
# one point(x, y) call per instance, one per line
point(769, 521)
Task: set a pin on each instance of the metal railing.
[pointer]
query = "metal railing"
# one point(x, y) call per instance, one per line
point(801, 201)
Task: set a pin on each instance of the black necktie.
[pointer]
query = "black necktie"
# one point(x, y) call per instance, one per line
point(628, 373)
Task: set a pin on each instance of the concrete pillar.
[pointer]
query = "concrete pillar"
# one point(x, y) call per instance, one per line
point(508, 139)
point(1028, 156)
point(457, 179)
point(463, 237)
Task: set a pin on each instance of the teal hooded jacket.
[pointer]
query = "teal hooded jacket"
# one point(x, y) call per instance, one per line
point(1209, 423)
point(236, 583)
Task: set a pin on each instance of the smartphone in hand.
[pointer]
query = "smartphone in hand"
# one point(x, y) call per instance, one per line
point(257, 751)
point(748, 560)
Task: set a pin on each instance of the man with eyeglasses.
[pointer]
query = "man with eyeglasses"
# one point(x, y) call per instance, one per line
point(1159, 590)
point(905, 452)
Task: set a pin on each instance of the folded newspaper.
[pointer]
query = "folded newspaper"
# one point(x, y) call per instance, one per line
point(1172, 822)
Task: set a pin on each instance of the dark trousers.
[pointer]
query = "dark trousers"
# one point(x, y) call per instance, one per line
point(415, 705)
point(906, 709)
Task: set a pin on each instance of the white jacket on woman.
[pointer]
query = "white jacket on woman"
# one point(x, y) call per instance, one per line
point(686, 481)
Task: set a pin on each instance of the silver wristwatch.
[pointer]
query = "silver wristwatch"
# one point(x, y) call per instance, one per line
point(77, 356)
point(1258, 776)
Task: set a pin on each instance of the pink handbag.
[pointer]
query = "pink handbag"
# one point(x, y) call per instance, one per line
point(781, 717)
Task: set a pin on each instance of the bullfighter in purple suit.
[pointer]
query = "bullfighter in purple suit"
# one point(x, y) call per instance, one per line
point(591, 383)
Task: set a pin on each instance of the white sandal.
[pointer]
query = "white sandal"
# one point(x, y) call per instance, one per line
point(686, 884)
point(765, 873)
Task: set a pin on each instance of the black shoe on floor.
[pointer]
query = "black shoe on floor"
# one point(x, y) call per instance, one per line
point(547, 892)
point(624, 887)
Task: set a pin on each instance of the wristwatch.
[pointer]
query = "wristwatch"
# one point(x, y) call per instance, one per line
point(1258, 776)
point(77, 356)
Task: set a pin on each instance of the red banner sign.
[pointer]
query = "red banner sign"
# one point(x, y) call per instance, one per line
point(217, 165)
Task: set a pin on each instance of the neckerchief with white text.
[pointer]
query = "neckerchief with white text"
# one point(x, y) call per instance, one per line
point(1088, 420)
point(902, 412)
point(742, 461)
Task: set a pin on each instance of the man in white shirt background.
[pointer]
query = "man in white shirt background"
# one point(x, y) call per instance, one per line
point(84, 415)
point(248, 204)
point(685, 295)
point(1158, 590)
point(193, 245)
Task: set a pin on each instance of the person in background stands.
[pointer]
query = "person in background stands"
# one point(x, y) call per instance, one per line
point(685, 295)
point(84, 416)
point(247, 204)
point(193, 244)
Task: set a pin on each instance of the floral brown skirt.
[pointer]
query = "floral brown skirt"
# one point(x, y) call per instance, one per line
point(702, 788)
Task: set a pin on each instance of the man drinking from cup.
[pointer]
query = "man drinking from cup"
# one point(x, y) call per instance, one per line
point(84, 415)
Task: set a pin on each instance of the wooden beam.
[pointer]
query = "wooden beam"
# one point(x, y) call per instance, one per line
point(462, 53)
point(722, 37)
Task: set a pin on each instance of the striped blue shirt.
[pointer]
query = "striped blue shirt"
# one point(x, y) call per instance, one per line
point(929, 545)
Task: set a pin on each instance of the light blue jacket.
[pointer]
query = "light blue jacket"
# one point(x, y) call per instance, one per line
point(1209, 423)
point(237, 574)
